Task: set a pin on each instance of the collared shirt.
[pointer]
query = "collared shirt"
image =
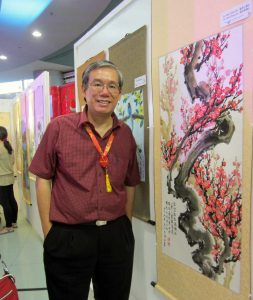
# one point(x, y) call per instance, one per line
point(6, 166)
point(67, 155)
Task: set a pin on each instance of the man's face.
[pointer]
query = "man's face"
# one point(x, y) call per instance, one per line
point(103, 92)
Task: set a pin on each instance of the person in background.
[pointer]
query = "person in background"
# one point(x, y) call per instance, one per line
point(87, 170)
point(7, 199)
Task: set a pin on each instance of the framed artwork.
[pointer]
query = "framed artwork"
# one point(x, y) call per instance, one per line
point(39, 114)
point(5, 121)
point(201, 104)
point(130, 110)
point(30, 126)
point(24, 133)
point(17, 134)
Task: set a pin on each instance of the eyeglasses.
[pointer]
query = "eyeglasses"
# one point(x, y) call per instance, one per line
point(98, 86)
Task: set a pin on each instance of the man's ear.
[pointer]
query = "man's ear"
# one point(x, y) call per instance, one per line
point(84, 93)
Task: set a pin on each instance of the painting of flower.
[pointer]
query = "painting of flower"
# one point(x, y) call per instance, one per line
point(201, 104)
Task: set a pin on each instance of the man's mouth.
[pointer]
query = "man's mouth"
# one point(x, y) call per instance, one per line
point(104, 101)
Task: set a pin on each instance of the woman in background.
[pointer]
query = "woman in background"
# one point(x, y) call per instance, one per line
point(7, 199)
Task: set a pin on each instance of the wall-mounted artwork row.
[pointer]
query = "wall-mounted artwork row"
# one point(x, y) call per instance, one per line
point(35, 111)
point(201, 103)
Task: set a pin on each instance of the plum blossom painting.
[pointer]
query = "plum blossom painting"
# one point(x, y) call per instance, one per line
point(201, 103)
point(130, 110)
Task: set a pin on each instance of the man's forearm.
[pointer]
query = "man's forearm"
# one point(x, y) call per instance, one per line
point(43, 191)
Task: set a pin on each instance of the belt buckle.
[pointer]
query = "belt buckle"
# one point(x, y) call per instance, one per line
point(100, 223)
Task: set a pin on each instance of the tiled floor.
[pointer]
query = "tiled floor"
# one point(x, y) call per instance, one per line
point(22, 252)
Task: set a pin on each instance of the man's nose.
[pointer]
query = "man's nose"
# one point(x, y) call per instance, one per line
point(105, 89)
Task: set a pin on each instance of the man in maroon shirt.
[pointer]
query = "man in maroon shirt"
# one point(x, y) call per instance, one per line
point(86, 172)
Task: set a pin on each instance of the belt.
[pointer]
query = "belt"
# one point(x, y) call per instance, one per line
point(99, 222)
point(92, 223)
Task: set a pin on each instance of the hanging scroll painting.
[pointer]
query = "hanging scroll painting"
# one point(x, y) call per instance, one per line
point(17, 134)
point(201, 155)
point(130, 110)
point(39, 114)
point(5, 121)
point(30, 127)
point(24, 133)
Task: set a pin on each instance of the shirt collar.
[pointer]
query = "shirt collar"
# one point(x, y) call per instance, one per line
point(84, 119)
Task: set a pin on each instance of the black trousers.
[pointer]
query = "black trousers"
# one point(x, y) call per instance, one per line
point(9, 204)
point(76, 254)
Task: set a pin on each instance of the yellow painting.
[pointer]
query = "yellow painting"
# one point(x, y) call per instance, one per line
point(5, 121)
point(17, 135)
point(25, 176)
point(30, 127)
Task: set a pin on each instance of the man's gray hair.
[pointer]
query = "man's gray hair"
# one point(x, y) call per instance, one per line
point(98, 65)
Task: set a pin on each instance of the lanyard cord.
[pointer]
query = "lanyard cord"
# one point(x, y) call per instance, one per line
point(103, 160)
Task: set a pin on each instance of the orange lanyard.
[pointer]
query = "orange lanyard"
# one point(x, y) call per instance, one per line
point(103, 160)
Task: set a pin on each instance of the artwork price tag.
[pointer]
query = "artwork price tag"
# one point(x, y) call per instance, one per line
point(235, 14)
point(140, 81)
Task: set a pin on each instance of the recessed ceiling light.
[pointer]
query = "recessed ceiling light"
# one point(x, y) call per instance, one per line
point(36, 33)
point(3, 57)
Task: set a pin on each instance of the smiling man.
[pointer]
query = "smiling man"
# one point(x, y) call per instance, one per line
point(87, 170)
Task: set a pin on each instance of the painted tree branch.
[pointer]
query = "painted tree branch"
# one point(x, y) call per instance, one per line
point(222, 133)
point(196, 90)
point(134, 117)
point(213, 106)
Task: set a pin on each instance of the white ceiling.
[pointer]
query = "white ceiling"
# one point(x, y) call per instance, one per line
point(61, 24)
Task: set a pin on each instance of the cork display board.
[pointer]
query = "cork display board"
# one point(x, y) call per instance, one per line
point(80, 70)
point(129, 54)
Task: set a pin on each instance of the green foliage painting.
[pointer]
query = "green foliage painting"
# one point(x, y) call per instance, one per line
point(130, 110)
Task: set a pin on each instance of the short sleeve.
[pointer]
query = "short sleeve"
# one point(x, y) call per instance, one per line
point(44, 161)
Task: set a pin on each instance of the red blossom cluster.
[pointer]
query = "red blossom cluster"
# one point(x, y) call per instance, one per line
point(221, 197)
point(169, 149)
point(225, 96)
point(213, 46)
point(187, 54)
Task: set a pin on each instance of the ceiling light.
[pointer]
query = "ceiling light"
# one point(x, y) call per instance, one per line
point(21, 13)
point(3, 57)
point(36, 33)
